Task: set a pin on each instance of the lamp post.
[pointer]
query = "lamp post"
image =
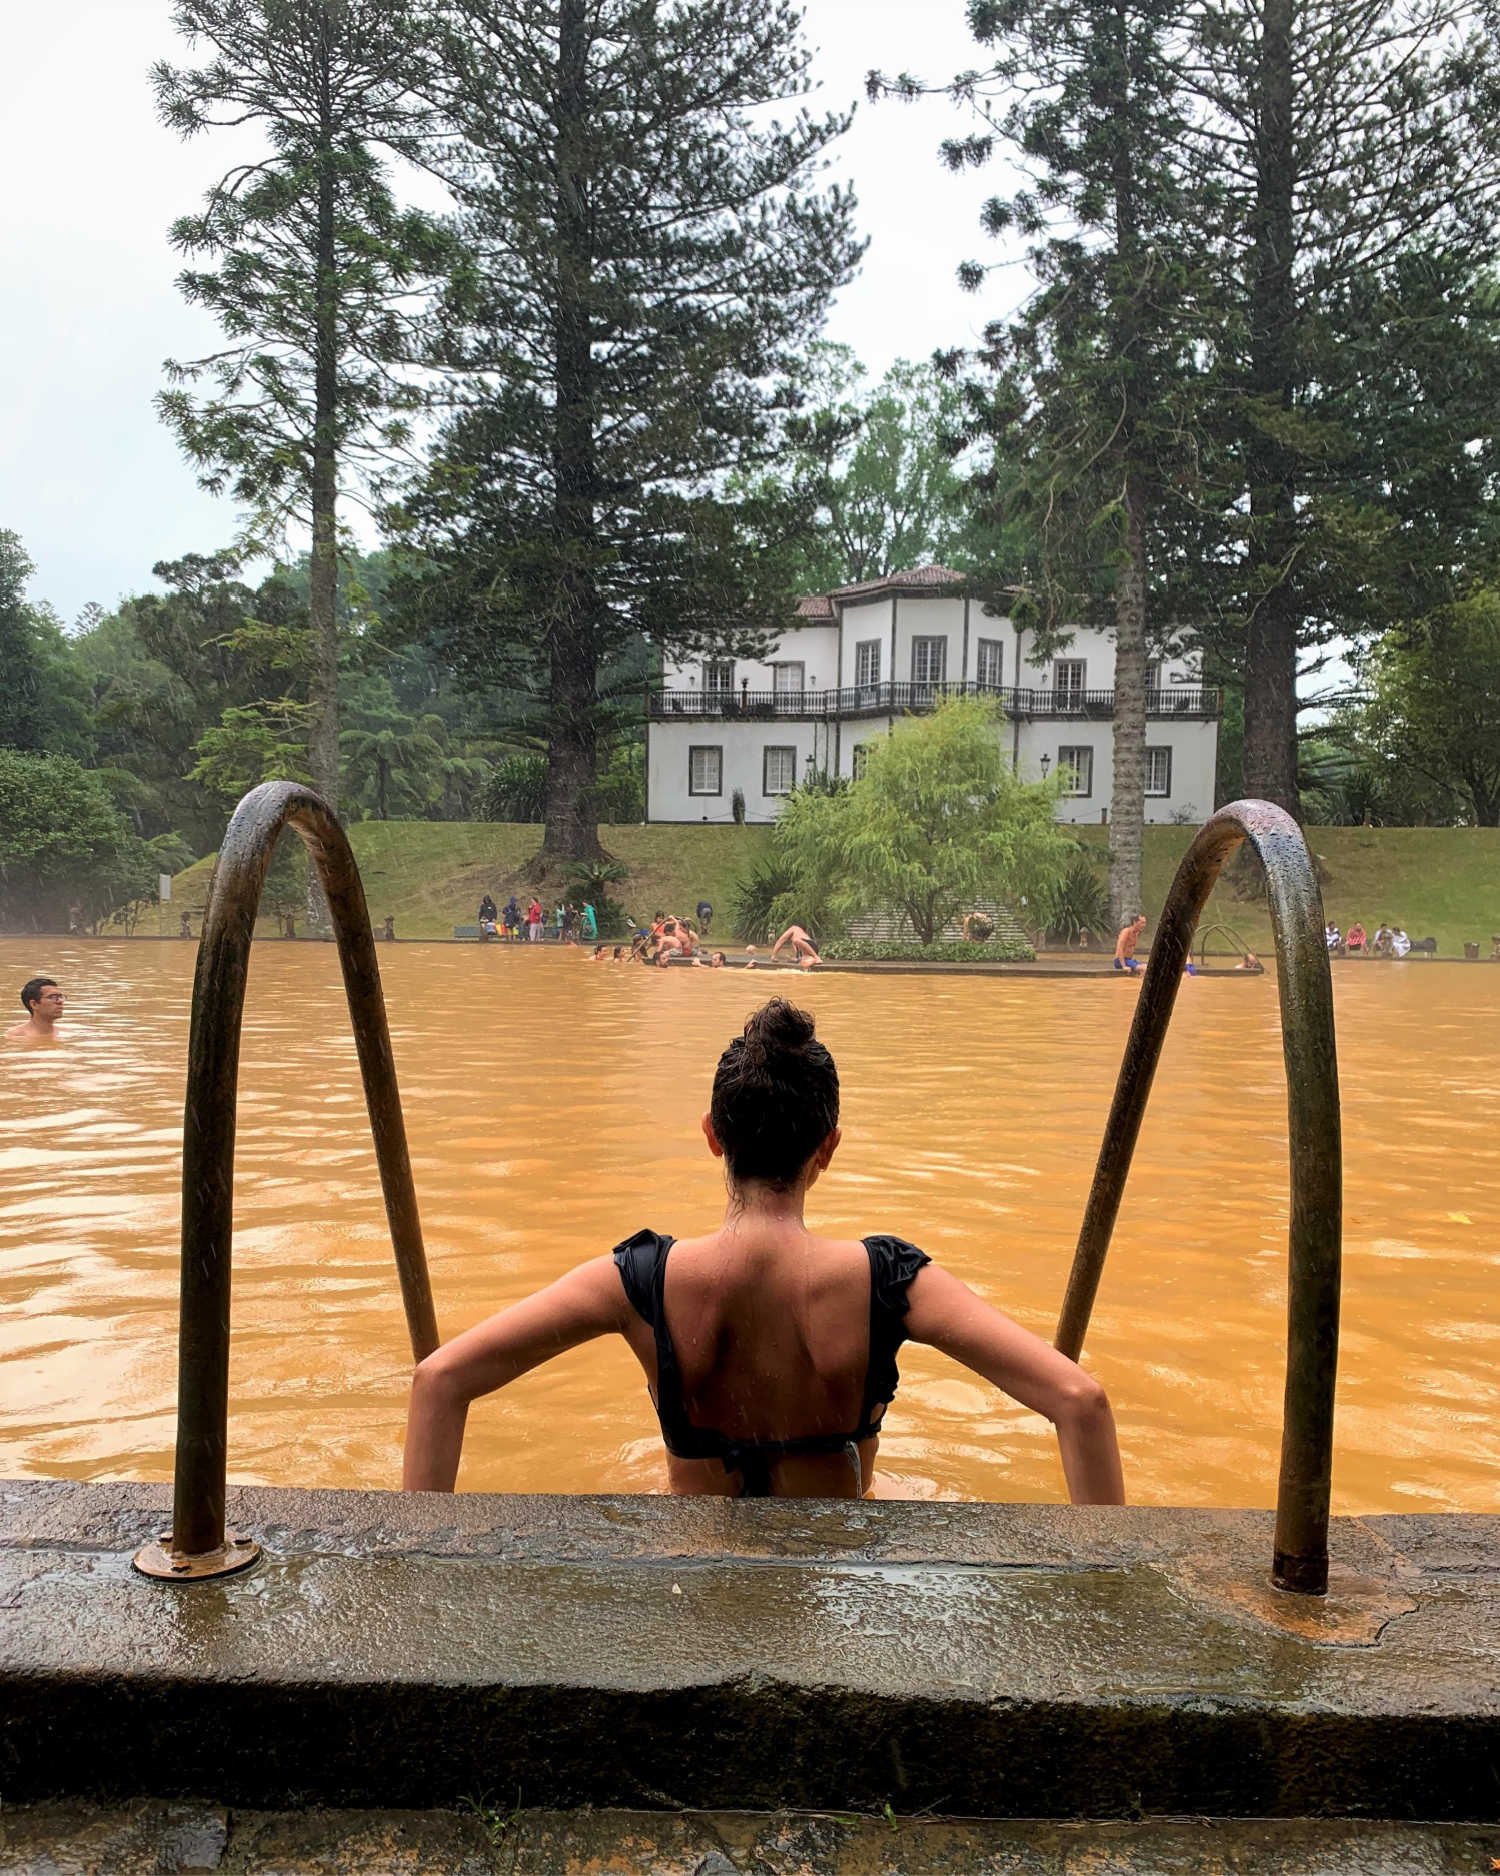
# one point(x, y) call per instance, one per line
point(1046, 764)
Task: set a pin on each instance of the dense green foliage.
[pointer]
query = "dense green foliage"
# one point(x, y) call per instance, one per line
point(67, 855)
point(938, 820)
point(1432, 713)
point(869, 483)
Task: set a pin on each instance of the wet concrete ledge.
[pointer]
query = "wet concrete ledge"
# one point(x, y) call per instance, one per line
point(1008, 1661)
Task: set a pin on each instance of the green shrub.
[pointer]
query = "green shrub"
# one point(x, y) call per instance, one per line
point(516, 789)
point(1079, 903)
point(945, 951)
point(754, 897)
point(67, 853)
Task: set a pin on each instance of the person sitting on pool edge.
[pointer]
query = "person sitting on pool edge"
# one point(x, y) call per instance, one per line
point(1125, 957)
point(769, 1351)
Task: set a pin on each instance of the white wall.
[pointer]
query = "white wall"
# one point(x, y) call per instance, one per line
point(742, 766)
point(817, 647)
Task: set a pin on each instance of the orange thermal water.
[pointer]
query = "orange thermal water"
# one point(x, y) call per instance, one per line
point(553, 1108)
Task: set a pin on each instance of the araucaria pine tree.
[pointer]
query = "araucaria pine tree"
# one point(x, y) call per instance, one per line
point(1091, 387)
point(1351, 146)
point(649, 250)
point(316, 275)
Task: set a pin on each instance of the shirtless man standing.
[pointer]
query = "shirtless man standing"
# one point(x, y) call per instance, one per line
point(1125, 958)
point(43, 1003)
point(801, 943)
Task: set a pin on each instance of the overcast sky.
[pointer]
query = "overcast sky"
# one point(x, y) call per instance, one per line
point(90, 479)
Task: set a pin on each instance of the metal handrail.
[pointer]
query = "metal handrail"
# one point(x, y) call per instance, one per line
point(198, 1544)
point(1305, 984)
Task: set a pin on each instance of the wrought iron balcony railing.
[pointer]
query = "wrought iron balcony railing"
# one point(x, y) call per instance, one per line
point(865, 700)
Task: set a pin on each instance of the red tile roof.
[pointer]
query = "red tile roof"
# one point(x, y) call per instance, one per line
point(915, 579)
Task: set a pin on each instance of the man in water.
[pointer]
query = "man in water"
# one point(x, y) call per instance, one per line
point(43, 1003)
point(1125, 957)
point(802, 945)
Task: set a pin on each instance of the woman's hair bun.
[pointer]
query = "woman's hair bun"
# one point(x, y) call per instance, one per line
point(776, 1028)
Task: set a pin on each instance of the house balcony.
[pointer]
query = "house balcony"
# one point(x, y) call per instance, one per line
point(874, 700)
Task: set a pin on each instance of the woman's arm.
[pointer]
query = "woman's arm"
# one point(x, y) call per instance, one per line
point(589, 1301)
point(946, 1314)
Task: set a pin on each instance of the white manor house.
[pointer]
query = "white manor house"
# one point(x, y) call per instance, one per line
point(862, 656)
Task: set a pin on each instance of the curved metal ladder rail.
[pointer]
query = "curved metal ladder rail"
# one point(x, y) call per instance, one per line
point(1301, 1547)
point(1201, 938)
point(198, 1544)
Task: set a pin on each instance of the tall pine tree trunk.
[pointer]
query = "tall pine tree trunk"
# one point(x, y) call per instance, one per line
point(571, 831)
point(1127, 810)
point(323, 572)
point(1127, 807)
point(323, 566)
point(1272, 631)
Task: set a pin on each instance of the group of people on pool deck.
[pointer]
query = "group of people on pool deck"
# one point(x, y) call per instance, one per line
point(669, 940)
point(768, 1349)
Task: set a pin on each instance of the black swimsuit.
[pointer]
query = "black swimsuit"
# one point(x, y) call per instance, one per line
point(642, 1263)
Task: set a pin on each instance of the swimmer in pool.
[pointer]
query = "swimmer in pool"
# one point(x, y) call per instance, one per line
point(43, 1003)
point(769, 1350)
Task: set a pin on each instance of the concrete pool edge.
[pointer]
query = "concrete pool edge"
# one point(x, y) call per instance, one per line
point(1009, 1661)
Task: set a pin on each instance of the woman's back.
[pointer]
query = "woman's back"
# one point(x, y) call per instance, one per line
point(772, 1338)
point(770, 1352)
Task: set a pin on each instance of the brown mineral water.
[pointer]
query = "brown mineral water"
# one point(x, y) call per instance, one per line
point(553, 1108)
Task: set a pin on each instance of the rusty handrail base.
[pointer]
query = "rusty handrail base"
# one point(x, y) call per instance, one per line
point(1301, 1575)
point(160, 1560)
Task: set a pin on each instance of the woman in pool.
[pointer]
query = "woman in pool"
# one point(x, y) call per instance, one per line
point(770, 1352)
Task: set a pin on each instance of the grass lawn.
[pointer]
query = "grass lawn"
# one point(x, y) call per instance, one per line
point(431, 874)
point(1437, 881)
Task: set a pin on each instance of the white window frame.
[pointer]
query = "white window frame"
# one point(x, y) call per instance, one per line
point(991, 652)
point(1164, 752)
point(716, 750)
point(782, 682)
point(923, 646)
point(867, 662)
point(1079, 757)
point(777, 749)
point(1070, 679)
point(718, 676)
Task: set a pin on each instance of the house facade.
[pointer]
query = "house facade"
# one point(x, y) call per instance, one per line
point(859, 659)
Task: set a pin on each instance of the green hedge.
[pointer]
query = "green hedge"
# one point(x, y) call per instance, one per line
point(949, 951)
